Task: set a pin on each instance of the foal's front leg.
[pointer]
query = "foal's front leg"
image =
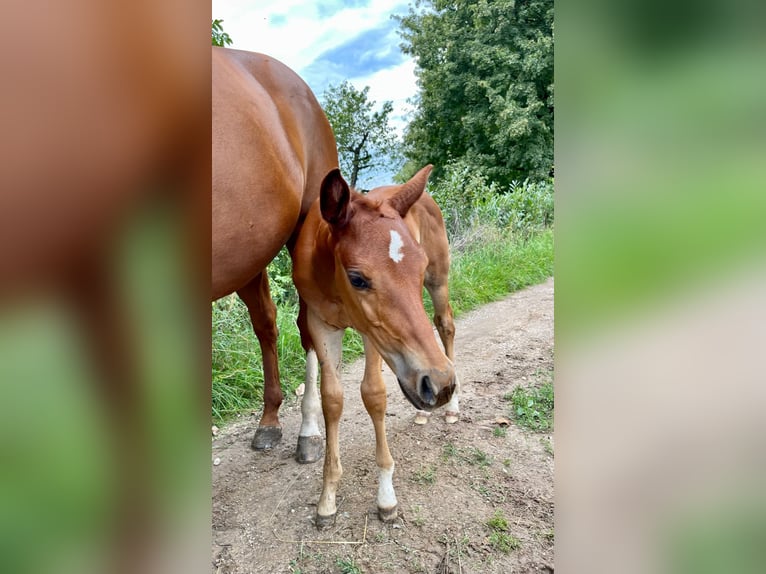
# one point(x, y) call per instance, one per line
point(328, 344)
point(374, 397)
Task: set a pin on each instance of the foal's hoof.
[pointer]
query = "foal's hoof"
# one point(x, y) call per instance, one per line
point(309, 449)
point(387, 514)
point(451, 417)
point(324, 522)
point(266, 438)
point(421, 417)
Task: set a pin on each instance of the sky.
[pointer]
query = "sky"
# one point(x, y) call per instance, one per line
point(327, 42)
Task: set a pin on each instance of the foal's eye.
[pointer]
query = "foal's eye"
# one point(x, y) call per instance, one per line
point(358, 281)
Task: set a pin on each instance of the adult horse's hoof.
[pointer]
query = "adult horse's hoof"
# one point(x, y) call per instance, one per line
point(421, 417)
point(309, 449)
point(387, 514)
point(451, 417)
point(324, 522)
point(266, 438)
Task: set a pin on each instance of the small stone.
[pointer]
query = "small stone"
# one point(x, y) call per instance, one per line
point(396, 525)
point(217, 461)
point(215, 430)
point(300, 389)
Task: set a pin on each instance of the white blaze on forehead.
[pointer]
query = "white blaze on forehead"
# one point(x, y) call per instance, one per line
point(395, 247)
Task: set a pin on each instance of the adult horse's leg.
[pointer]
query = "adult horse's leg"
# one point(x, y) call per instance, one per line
point(328, 343)
point(374, 397)
point(309, 448)
point(105, 325)
point(263, 314)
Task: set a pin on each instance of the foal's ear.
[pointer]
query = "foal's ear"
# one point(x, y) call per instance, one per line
point(410, 191)
point(334, 197)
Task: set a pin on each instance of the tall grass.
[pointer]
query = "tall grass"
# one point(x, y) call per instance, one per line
point(501, 241)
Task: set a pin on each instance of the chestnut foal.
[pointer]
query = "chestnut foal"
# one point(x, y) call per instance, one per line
point(358, 263)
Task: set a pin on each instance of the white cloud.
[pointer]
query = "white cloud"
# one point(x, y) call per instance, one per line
point(304, 36)
point(394, 84)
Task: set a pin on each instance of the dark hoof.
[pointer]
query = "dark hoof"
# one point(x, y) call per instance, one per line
point(387, 514)
point(266, 438)
point(309, 449)
point(324, 522)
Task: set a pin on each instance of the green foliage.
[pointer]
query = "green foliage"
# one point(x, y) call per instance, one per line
point(220, 38)
point(496, 263)
point(533, 407)
point(486, 75)
point(426, 474)
point(500, 538)
point(364, 137)
point(467, 200)
point(348, 566)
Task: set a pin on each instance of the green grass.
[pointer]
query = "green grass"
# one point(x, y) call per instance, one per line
point(533, 406)
point(426, 474)
point(495, 264)
point(500, 537)
point(348, 566)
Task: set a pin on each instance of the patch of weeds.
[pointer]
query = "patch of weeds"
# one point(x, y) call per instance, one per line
point(547, 445)
point(417, 517)
point(425, 475)
point(533, 406)
point(498, 521)
point(478, 457)
point(501, 538)
point(449, 450)
point(380, 537)
point(471, 455)
point(503, 542)
point(499, 431)
point(348, 566)
point(507, 462)
point(294, 568)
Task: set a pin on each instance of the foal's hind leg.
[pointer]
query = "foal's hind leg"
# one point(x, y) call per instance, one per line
point(438, 289)
point(263, 314)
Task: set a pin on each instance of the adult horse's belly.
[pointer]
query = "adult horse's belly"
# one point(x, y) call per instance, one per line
point(257, 178)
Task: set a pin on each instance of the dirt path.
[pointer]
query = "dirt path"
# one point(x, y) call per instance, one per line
point(450, 479)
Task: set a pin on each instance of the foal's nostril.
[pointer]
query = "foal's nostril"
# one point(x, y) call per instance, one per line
point(427, 391)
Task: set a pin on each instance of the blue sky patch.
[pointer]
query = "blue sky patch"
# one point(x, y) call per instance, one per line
point(369, 52)
point(327, 9)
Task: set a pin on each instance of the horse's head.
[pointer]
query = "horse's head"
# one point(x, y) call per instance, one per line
point(379, 272)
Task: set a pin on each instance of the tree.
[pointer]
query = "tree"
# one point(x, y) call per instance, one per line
point(220, 38)
point(485, 71)
point(365, 139)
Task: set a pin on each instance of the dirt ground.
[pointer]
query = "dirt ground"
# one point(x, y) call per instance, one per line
point(450, 480)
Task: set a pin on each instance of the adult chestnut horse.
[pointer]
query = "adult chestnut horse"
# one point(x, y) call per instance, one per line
point(272, 145)
point(357, 264)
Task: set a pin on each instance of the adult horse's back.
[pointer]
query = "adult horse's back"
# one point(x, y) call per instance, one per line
point(272, 146)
